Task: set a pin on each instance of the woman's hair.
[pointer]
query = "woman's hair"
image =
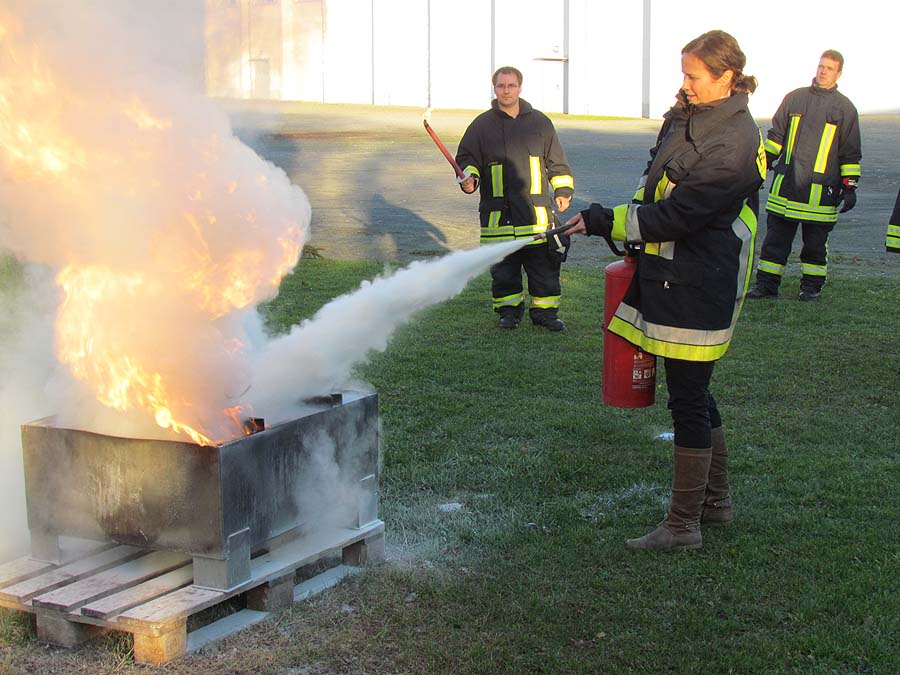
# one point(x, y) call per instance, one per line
point(719, 52)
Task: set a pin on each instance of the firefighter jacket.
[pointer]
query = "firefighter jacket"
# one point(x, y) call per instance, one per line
point(816, 141)
point(697, 221)
point(892, 239)
point(513, 159)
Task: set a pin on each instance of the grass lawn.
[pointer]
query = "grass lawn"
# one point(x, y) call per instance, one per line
point(530, 575)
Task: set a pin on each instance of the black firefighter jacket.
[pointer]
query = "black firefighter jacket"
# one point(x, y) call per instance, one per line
point(697, 222)
point(513, 159)
point(815, 132)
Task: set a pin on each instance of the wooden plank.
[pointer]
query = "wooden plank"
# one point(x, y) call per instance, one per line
point(157, 616)
point(79, 593)
point(159, 649)
point(117, 603)
point(67, 574)
point(20, 569)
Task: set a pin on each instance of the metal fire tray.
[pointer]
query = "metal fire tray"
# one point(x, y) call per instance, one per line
point(217, 503)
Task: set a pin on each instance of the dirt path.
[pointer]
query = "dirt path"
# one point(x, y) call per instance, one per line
point(380, 189)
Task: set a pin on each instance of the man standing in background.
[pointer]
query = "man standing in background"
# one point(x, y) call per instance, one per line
point(814, 148)
point(512, 151)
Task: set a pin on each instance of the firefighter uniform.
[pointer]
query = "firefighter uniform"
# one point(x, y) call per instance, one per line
point(892, 240)
point(814, 149)
point(513, 160)
point(697, 220)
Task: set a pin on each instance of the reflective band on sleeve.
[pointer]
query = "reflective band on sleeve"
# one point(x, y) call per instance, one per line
point(537, 182)
point(773, 147)
point(824, 148)
point(651, 248)
point(472, 171)
point(497, 179)
point(562, 181)
point(850, 170)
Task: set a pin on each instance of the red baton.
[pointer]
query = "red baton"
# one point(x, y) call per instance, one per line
point(437, 141)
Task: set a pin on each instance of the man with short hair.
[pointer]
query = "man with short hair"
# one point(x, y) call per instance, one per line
point(512, 151)
point(814, 149)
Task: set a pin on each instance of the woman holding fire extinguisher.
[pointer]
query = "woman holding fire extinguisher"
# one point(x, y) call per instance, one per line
point(694, 221)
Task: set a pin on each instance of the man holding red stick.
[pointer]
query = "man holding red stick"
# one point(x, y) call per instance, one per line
point(512, 151)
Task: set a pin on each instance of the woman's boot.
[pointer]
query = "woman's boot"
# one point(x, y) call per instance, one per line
point(717, 507)
point(680, 531)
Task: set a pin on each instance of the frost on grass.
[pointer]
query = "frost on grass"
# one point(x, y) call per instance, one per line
point(631, 499)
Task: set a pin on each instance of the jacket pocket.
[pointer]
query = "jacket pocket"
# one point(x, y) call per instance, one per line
point(654, 268)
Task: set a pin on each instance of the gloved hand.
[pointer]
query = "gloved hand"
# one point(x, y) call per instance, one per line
point(848, 197)
point(600, 221)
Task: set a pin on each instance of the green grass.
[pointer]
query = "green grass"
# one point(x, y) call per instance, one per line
point(531, 575)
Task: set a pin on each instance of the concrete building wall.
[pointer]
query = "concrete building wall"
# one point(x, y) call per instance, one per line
point(595, 57)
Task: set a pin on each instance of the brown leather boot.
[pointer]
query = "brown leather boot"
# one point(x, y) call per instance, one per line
point(680, 531)
point(717, 507)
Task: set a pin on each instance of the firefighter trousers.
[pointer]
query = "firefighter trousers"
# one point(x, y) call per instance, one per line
point(693, 408)
point(776, 248)
point(542, 269)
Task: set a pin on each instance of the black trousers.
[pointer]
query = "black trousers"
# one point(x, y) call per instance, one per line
point(776, 248)
point(542, 269)
point(693, 408)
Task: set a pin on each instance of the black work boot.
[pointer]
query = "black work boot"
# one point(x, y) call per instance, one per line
point(809, 294)
point(510, 316)
point(766, 286)
point(680, 531)
point(547, 318)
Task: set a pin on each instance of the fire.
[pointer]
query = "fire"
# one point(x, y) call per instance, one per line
point(86, 343)
point(161, 224)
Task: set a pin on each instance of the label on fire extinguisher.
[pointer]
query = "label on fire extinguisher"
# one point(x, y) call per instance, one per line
point(643, 371)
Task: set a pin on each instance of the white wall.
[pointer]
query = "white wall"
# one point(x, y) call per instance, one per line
point(460, 54)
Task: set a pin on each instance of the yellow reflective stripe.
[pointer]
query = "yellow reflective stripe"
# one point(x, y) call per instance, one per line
point(850, 170)
point(893, 230)
point(661, 187)
point(494, 219)
point(540, 217)
point(824, 147)
point(549, 302)
point(761, 161)
point(562, 181)
point(670, 349)
point(792, 137)
point(770, 267)
point(523, 231)
point(815, 194)
point(776, 185)
point(772, 146)
point(799, 211)
point(513, 300)
point(813, 270)
point(651, 248)
point(473, 170)
point(537, 183)
point(497, 179)
point(639, 195)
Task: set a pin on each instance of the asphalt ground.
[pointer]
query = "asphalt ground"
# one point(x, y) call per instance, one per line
point(380, 189)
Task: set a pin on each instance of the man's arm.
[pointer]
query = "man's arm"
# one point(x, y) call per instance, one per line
point(468, 156)
point(559, 172)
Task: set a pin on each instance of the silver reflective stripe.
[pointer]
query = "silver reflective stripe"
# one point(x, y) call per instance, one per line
point(667, 250)
point(632, 227)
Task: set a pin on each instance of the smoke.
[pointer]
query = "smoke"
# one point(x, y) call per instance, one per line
point(317, 356)
point(145, 235)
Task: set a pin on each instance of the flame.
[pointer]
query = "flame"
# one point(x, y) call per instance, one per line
point(219, 237)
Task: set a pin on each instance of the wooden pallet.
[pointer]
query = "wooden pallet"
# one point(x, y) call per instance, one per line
point(150, 593)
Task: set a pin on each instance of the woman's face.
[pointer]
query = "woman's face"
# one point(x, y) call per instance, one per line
point(699, 85)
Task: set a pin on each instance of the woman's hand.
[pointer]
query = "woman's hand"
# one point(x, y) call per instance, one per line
point(577, 225)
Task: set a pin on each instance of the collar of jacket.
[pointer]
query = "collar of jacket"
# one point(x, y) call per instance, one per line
point(705, 116)
point(816, 89)
point(524, 108)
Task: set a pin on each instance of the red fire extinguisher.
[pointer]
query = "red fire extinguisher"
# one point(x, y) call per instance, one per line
point(629, 374)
